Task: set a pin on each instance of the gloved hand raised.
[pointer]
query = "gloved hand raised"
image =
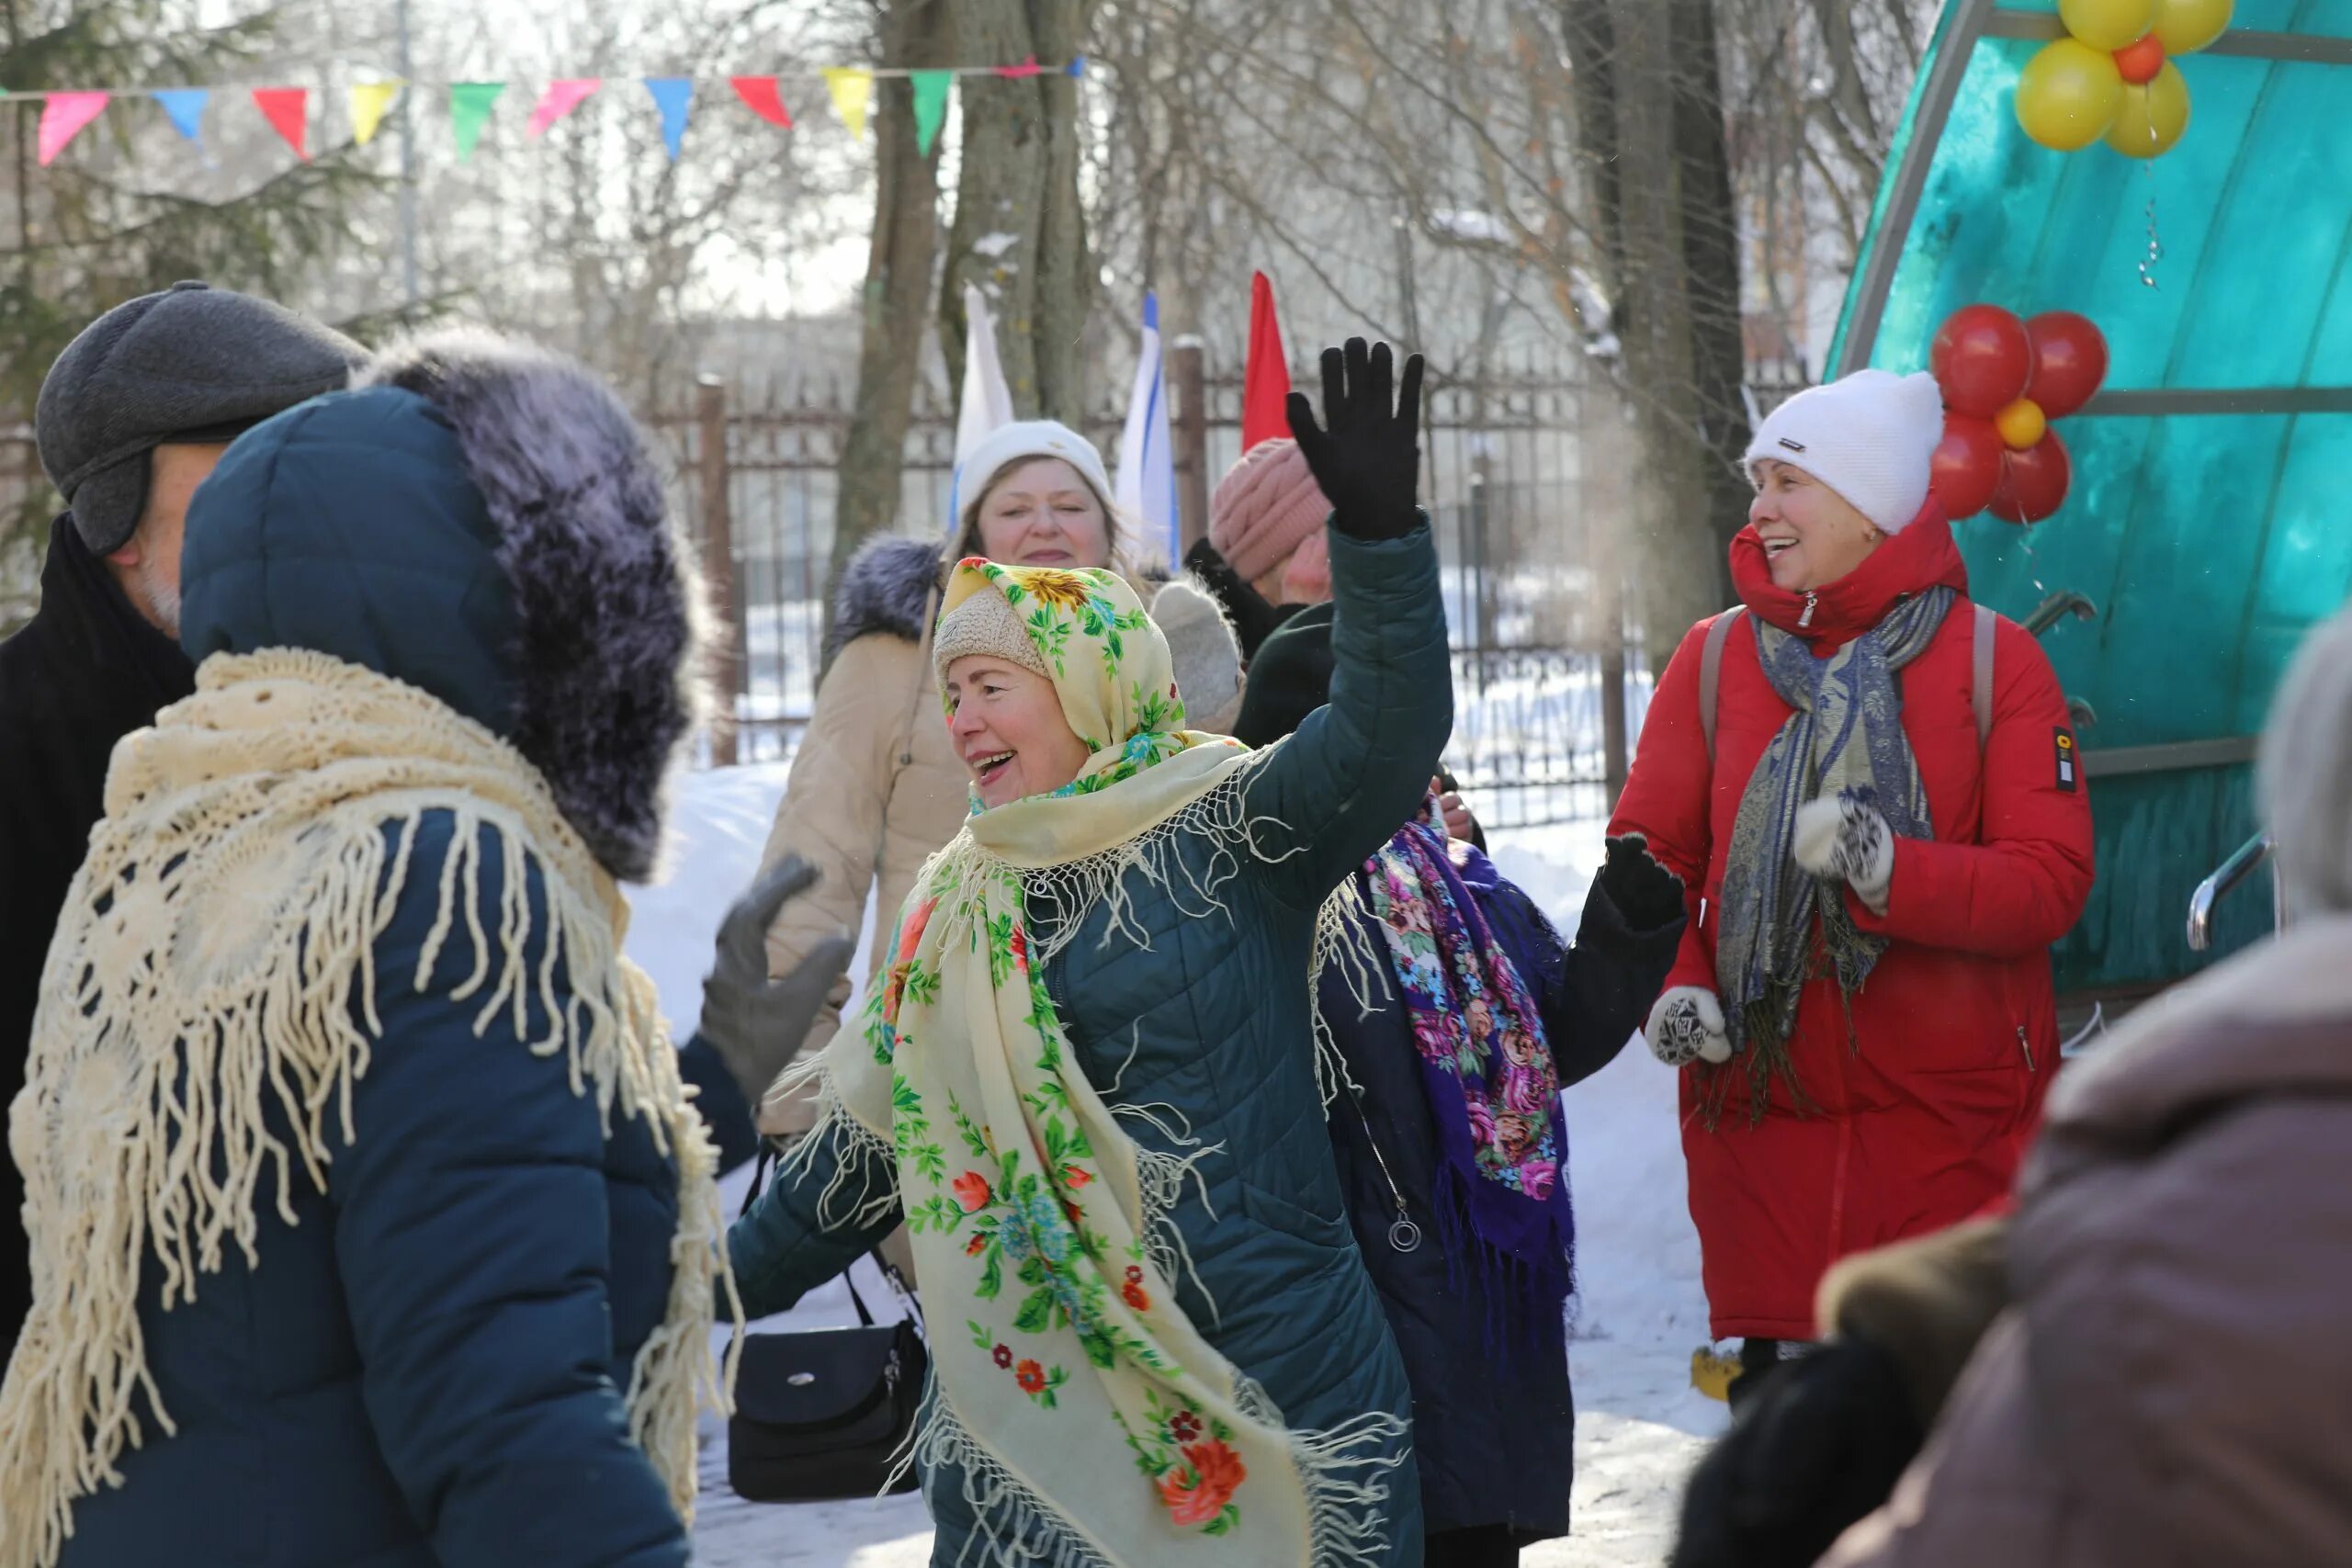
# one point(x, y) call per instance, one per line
point(1366, 455)
point(1686, 1026)
point(756, 1023)
point(1844, 837)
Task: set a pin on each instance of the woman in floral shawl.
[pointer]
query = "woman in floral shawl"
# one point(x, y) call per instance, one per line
point(1088, 1080)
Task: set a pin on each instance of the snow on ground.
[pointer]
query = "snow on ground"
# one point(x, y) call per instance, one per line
point(1639, 1311)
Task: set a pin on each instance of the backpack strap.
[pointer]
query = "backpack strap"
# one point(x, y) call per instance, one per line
point(1981, 679)
point(1711, 673)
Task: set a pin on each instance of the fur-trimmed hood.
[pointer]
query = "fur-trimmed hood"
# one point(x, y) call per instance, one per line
point(886, 588)
point(482, 519)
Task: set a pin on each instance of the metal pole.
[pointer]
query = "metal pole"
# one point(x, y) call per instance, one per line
point(1191, 435)
point(408, 165)
point(718, 557)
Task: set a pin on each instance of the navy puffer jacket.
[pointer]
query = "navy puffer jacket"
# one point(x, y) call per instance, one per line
point(427, 1367)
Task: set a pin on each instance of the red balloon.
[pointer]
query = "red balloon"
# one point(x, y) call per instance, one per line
point(2034, 481)
point(1966, 467)
point(2139, 62)
point(1982, 359)
point(2069, 360)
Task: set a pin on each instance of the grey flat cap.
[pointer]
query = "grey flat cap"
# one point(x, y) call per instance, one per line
point(193, 363)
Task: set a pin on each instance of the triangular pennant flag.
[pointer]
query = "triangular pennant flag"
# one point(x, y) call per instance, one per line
point(468, 110)
point(63, 115)
point(674, 96)
point(289, 110)
point(853, 90)
point(1077, 66)
point(930, 105)
point(560, 98)
point(368, 102)
point(759, 95)
point(1265, 376)
point(186, 106)
point(1028, 67)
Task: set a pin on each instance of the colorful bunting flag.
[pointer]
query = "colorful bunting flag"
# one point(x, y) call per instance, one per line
point(853, 90)
point(1077, 66)
point(560, 98)
point(368, 102)
point(470, 111)
point(674, 96)
point(759, 95)
point(63, 115)
point(1028, 67)
point(930, 105)
point(289, 110)
point(186, 106)
point(1265, 376)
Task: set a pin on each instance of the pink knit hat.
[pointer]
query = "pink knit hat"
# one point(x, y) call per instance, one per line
point(1265, 507)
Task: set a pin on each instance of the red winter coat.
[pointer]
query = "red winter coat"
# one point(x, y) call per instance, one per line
point(1921, 1120)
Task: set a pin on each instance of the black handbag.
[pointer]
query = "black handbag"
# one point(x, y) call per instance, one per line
point(822, 1412)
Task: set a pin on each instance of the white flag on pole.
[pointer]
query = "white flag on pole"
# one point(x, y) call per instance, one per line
point(987, 400)
point(1146, 457)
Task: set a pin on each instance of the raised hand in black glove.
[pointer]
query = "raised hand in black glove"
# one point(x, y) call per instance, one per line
point(1645, 892)
point(756, 1023)
point(1366, 455)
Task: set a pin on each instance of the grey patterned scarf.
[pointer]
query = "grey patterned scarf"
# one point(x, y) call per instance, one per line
point(1846, 735)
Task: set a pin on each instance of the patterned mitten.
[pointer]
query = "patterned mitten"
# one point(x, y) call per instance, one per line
point(1686, 1026)
point(1844, 838)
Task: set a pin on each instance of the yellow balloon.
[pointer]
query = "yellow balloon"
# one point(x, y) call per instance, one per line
point(2107, 24)
point(2021, 423)
point(2151, 117)
point(2184, 27)
point(2068, 94)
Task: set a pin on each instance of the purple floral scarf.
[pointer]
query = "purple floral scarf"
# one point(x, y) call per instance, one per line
point(1486, 1066)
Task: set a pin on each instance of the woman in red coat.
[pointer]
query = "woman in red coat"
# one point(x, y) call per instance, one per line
point(1891, 831)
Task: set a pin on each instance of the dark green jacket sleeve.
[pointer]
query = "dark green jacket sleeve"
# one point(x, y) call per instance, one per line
point(783, 1248)
point(1333, 793)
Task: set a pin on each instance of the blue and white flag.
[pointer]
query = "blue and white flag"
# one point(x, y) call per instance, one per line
point(1146, 457)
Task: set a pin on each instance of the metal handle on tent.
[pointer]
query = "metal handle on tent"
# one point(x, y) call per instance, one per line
point(2226, 879)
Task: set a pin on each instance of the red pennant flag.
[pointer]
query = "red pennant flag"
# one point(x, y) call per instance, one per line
point(759, 94)
point(289, 110)
point(1265, 378)
point(1028, 67)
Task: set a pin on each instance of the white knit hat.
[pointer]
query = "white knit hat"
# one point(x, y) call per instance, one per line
point(1869, 436)
point(1017, 443)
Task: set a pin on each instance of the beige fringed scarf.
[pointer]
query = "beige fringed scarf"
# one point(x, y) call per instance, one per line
point(214, 964)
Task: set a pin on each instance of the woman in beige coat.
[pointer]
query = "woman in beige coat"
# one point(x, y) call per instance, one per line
point(875, 788)
point(2172, 1380)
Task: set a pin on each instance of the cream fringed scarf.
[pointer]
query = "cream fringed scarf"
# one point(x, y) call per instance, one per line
point(214, 968)
point(1091, 1420)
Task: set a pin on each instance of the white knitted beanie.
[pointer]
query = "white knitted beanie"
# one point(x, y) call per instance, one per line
point(985, 623)
point(1009, 444)
point(1869, 436)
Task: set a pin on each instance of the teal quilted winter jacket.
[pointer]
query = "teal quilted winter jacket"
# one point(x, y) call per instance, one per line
point(1213, 1017)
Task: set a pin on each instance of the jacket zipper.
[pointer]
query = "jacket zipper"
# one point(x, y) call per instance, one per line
point(2026, 1046)
point(1812, 600)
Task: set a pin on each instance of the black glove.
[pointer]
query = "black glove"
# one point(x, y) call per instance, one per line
point(1368, 461)
point(755, 1023)
point(1815, 1451)
point(1645, 892)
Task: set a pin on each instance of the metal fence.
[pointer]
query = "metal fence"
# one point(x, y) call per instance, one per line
point(1532, 604)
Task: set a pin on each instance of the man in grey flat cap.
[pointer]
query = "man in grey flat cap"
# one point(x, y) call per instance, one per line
point(131, 418)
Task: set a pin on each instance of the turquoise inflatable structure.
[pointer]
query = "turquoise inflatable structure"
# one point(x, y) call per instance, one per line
point(2209, 522)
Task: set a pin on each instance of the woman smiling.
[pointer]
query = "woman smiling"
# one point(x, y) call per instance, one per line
point(1090, 1086)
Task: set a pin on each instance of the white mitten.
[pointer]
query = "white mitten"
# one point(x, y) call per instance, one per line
point(1686, 1026)
point(1843, 837)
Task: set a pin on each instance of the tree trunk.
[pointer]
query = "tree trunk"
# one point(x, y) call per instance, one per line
point(897, 297)
point(1020, 232)
point(1650, 126)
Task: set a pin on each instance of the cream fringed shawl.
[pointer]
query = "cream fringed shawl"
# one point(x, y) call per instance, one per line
point(212, 980)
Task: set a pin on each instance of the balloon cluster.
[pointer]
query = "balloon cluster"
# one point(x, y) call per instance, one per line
point(2004, 380)
point(2113, 76)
